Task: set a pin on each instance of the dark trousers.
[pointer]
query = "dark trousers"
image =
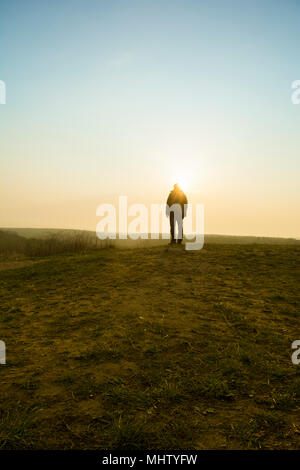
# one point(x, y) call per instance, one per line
point(176, 218)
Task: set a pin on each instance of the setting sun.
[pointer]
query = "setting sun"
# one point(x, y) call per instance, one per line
point(184, 181)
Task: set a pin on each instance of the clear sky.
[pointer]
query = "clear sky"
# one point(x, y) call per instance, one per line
point(127, 97)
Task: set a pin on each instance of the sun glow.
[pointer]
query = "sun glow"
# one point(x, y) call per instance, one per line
point(184, 181)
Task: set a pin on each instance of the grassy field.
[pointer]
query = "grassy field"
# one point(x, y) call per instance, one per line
point(155, 348)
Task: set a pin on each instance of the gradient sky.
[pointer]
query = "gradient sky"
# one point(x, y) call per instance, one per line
point(108, 98)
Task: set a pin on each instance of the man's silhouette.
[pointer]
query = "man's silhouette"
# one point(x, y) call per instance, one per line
point(179, 201)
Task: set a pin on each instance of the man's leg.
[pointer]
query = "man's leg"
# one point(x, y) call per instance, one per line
point(172, 227)
point(180, 228)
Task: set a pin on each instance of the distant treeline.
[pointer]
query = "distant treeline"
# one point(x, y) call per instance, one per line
point(55, 243)
point(40, 242)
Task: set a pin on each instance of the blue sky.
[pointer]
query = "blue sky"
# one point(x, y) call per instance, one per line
point(124, 97)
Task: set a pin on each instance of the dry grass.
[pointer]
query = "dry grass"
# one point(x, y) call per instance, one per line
point(61, 242)
point(152, 349)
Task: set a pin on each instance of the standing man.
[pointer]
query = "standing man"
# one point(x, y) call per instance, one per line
point(176, 209)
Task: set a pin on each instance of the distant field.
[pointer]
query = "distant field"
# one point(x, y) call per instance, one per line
point(155, 348)
point(91, 238)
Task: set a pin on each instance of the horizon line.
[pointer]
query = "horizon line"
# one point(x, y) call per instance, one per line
point(149, 233)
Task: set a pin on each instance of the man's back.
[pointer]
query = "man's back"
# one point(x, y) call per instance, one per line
point(177, 196)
